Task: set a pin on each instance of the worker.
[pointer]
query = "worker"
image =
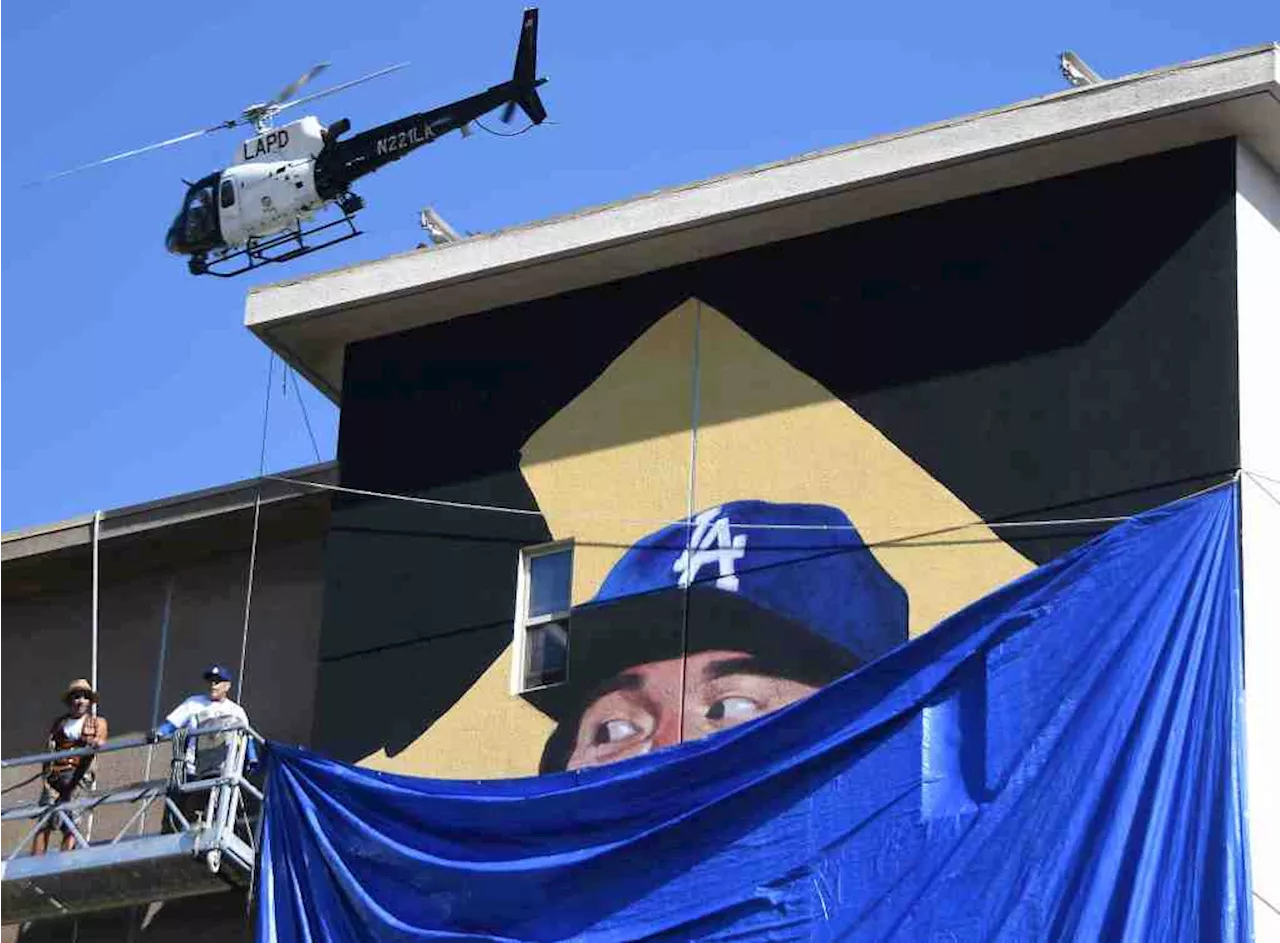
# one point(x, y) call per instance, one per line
point(69, 777)
point(206, 752)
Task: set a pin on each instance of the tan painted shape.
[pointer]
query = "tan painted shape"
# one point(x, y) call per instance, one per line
point(819, 451)
point(605, 495)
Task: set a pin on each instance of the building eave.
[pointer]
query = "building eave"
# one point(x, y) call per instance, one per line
point(163, 512)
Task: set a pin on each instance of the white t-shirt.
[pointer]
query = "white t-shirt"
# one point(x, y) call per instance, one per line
point(205, 753)
point(72, 727)
point(200, 710)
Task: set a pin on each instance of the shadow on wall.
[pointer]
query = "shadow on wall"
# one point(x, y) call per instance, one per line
point(412, 589)
point(216, 918)
point(877, 306)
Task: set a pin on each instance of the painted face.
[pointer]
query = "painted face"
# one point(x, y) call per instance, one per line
point(218, 690)
point(639, 710)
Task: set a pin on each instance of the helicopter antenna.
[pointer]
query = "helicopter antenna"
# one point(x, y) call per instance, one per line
point(258, 115)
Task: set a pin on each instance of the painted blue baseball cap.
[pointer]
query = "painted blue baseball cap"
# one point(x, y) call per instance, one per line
point(803, 562)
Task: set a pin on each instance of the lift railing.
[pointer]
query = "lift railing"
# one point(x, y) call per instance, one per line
point(204, 840)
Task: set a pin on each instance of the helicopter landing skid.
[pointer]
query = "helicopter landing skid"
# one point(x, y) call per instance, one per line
point(259, 252)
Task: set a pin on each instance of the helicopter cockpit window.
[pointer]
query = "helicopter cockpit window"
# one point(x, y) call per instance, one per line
point(228, 194)
point(200, 216)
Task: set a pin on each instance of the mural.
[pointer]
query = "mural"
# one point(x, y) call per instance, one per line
point(815, 548)
point(836, 418)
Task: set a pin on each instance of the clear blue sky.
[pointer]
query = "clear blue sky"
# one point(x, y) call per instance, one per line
point(126, 379)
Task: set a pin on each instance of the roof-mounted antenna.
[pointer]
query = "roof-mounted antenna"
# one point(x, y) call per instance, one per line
point(438, 231)
point(1076, 71)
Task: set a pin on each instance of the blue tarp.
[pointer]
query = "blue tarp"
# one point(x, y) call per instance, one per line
point(1060, 761)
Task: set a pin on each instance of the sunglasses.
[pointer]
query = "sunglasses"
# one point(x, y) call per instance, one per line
point(80, 696)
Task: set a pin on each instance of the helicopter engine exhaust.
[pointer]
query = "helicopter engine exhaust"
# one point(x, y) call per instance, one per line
point(336, 130)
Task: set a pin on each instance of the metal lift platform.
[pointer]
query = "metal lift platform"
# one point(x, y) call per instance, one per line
point(215, 852)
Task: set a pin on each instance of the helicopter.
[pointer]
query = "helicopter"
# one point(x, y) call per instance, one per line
point(260, 210)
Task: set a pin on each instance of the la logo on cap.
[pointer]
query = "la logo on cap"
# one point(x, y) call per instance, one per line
point(712, 543)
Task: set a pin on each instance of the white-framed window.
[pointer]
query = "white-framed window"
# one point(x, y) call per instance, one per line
point(544, 596)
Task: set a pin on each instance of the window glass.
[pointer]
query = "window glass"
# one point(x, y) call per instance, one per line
point(550, 582)
point(201, 219)
point(544, 599)
point(546, 654)
point(228, 193)
point(200, 198)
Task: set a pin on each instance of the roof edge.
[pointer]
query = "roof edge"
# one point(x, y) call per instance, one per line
point(163, 512)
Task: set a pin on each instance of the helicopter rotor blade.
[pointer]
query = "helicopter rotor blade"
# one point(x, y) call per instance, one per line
point(292, 88)
point(338, 88)
point(275, 106)
point(139, 150)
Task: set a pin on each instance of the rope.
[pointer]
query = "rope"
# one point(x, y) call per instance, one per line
point(253, 544)
point(1258, 479)
point(1255, 475)
point(293, 375)
point(695, 414)
point(404, 497)
point(498, 509)
point(1267, 902)
point(28, 780)
point(93, 653)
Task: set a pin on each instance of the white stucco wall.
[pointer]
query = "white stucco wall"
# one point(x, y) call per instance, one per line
point(1258, 283)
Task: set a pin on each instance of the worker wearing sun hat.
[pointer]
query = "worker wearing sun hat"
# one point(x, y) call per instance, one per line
point(699, 627)
point(69, 777)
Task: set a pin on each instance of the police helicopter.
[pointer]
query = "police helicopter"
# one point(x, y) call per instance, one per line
point(260, 209)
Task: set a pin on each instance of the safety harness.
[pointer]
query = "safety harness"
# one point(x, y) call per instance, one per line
point(68, 770)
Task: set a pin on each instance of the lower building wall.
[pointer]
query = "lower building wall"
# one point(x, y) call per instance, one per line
point(46, 639)
point(1258, 222)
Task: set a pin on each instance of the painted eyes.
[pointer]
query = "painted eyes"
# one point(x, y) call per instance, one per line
point(725, 711)
point(614, 731)
point(734, 709)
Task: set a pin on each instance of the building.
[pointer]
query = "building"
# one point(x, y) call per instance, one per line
point(1061, 310)
point(173, 580)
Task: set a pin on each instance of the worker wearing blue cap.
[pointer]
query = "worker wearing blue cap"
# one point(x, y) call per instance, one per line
point(208, 751)
point(702, 626)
